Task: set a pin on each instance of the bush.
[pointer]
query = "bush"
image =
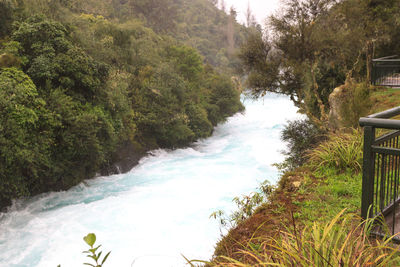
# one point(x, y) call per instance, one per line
point(300, 135)
point(198, 121)
point(355, 103)
point(341, 151)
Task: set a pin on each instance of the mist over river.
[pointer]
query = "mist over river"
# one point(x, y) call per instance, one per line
point(160, 209)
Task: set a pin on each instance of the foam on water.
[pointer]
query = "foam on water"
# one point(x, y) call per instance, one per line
point(160, 209)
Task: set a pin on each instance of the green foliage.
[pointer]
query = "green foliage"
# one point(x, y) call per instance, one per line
point(261, 67)
point(85, 137)
point(318, 45)
point(356, 103)
point(6, 17)
point(223, 98)
point(246, 205)
point(188, 62)
point(198, 120)
point(336, 243)
point(55, 62)
point(333, 193)
point(10, 56)
point(301, 136)
point(24, 154)
point(211, 31)
point(90, 239)
point(160, 14)
point(196, 23)
point(82, 85)
point(342, 151)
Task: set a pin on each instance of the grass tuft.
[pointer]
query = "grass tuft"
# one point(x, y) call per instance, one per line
point(341, 151)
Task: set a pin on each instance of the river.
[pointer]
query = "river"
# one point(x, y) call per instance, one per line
point(159, 210)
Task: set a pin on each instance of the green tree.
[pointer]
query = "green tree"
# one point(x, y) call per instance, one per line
point(25, 138)
point(98, 79)
point(54, 61)
point(6, 17)
point(188, 61)
point(314, 47)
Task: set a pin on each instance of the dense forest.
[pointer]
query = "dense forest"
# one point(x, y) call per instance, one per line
point(82, 80)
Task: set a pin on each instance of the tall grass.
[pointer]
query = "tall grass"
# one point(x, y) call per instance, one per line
point(341, 151)
point(330, 244)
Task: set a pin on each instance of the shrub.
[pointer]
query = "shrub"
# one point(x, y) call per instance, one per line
point(300, 135)
point(355, 104)
point(341, 151)
point(198, 121)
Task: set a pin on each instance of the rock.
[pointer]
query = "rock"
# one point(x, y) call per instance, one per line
point(125, 158)
point(336, 98)
point(297, 184)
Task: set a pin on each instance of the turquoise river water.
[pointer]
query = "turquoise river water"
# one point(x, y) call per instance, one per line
point(159, 210)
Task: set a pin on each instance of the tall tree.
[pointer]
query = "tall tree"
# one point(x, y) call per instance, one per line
point(250, 18)
point(315, 45)
point(297, 38)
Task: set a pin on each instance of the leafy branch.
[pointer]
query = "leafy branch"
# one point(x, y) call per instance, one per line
point(90, 239)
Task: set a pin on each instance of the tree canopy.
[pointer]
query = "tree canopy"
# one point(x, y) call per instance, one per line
point(313, 46)
point(81, 79)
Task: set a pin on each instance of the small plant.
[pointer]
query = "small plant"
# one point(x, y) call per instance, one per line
point(342, 151)
point(246, 206)
point(90, 239)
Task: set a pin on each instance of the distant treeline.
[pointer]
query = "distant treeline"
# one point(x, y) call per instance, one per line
point(80, 79)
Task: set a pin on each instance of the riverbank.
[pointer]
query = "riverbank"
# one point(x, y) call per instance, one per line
point(302, 197)
point(314, 193)
point(80, 109)
point(160, 209)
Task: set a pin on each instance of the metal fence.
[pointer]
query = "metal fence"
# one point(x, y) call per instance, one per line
point(381, 170)
point(386, 71)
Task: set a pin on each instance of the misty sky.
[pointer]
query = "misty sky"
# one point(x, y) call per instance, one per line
point(261, 8)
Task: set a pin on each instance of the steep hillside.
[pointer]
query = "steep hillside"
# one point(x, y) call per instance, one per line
point(83, 87)
point(196, 23)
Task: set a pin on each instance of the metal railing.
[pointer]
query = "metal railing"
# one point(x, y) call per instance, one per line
point(381, 168)
point(386, 71)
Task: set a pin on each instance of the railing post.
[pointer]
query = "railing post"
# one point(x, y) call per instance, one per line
point(373, 75)
point(368, 172)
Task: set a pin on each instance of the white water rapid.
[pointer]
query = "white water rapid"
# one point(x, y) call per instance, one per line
point(161, 208)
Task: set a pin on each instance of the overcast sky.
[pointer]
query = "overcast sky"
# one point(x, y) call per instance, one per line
point(260, 8)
